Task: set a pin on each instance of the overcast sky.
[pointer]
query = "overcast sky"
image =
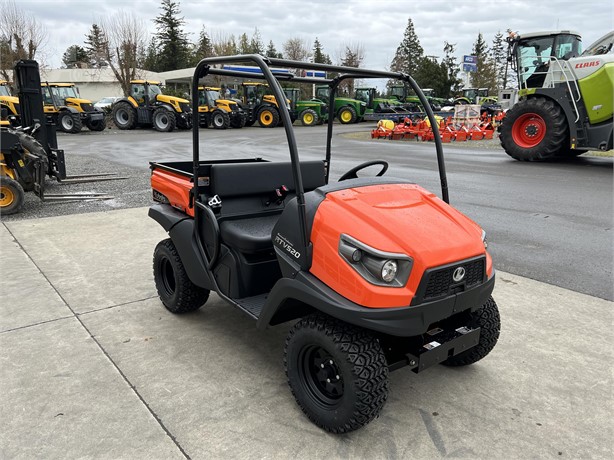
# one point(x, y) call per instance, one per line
point(377, 25)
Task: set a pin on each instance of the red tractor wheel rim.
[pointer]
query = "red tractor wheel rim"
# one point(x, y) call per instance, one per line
point(529, 130)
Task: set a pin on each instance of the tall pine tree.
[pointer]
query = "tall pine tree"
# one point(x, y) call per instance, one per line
point(96, 45)
point(203, 47)
point(75, 56)
point(409, 52)
point(318, 54)
point(272, 52)
point(454, 84)
point(486, 76)
point(255, 44)
point(172, 41)
point(499, 56)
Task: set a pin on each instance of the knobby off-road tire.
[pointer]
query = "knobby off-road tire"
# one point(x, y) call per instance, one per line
point(238, 121)
point(487, 318)
point(176, 290)
point(163, 120)
point(96, 125)
point(534, 129)
point(337, 372)
point(347, 115)
point(123, 115)
point(220, 120)
point(11, 196)
point(268, 117)
point(69, 122)
point(309, 117)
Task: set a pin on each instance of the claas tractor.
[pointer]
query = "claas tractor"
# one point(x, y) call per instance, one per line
point(217, 111)
point(309, 112)
point(565, 96)
point(260, 105)
point(148, 106)
point(345, 109)
point(373, 272)
point(64, 105)
point(10, 104)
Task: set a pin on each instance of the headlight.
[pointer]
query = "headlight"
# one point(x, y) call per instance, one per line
point(484, 240)
point(377, 267)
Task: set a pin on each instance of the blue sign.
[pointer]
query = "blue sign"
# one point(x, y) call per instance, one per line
point(470, 67)
point(470, 60)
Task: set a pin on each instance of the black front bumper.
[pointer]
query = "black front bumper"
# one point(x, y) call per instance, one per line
point(400, 322)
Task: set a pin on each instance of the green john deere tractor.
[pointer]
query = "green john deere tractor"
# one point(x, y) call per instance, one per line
point(565, 97)
point(309, 112)
point(346, 110)
point(378, 104)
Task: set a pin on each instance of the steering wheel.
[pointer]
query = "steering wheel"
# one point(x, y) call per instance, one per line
point(351, 174)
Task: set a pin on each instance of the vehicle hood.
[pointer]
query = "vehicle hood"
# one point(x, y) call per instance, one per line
point(77, 101)
point(171, 99)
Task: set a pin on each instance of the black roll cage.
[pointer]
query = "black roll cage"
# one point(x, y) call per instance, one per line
point(207, 66)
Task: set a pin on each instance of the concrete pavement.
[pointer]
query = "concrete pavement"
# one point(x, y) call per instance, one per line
point(93, 366)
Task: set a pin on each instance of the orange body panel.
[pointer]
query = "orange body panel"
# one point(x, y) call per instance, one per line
point(175, 187)
point(396, 218)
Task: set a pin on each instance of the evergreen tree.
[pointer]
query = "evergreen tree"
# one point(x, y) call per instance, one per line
point(272, 52)
point(409, 52)
point(243, 44)
point(203, 48)
point(486, 76)
point(150, 60)
point(454, 84)
point(255, 44)
point(318, 54)
point(96, 45)
point(431, 74)
point(353, 57)
point(75, 56)
point(499, 56)
point(172, 43)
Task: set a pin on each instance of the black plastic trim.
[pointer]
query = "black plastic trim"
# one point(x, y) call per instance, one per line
point(401, 322)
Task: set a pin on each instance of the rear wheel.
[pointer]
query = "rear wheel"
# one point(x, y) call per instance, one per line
point(69, 122)
point(309, 117)
point(163, 120)
point(337, 372)
point(268, 117)
point(124, 115)
point(11, 196)
point(347, 115)
point(534, 129)
point(176, 290)
point(487, 319)
point(220, 120)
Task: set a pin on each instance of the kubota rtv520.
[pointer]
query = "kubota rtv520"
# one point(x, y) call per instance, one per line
point(376, 273)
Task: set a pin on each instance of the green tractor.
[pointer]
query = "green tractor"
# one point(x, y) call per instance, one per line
point(565, 98)
point(378, 104)
point(411, 103)
point(346, 110)
point(475, 96)
point(312, 112)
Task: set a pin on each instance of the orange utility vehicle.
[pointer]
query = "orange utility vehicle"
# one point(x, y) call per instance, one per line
point(376, 272)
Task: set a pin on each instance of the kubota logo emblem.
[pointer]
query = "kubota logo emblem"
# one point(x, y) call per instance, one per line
point(458, 274)
point(582, 65)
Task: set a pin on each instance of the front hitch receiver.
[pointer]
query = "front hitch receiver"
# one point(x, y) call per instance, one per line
point(441, 345)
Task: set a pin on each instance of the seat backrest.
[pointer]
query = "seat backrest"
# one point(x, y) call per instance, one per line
point(248, 188)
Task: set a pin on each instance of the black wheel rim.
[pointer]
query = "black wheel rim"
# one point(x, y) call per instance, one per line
point(320, 376)
point(167, 275)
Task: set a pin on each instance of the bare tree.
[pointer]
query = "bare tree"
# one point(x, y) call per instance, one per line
point(21, 36)
point(126, 36)
point(224, 44)
point(353, 55)
point(297, 49)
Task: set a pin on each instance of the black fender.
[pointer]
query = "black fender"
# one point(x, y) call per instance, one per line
point(292, 298)
point(168, 107)
point(67, 108)
point(560, 97)
point(180, 228)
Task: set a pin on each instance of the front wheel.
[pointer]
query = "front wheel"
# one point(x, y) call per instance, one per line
point(309, 117)
point(488, 320)
point(96, 125)
point(124, 115)
point(534, 129)
point(347, 115)
point(177, 292)
point(220, 120)
point(268, 117)
point(11, 196)
point(164, 120)
point(69, 122)
point(337, 372)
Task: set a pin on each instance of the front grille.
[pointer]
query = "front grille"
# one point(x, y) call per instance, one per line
point(185, 107)
point(87, 107)
point(438, 281)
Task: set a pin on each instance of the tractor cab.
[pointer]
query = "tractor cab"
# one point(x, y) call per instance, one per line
point(9, 104)
point(531, 54)
point(144, 92)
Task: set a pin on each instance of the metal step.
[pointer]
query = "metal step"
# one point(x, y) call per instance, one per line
point(252, 305)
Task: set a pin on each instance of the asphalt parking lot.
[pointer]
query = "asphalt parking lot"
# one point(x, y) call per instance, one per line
point(93, 366)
